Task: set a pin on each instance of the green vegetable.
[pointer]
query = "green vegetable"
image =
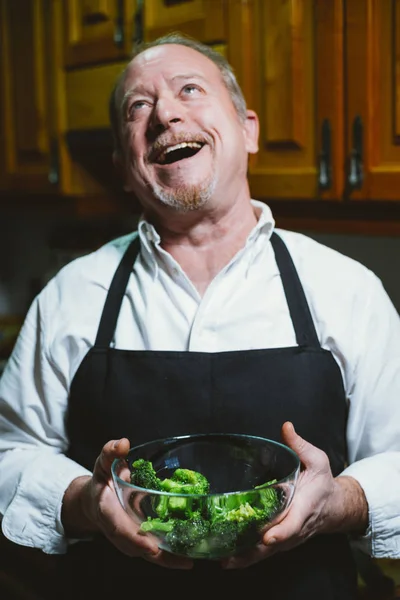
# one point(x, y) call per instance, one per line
point(144, 475)
point(185, 481)
point(189, 534)
point(193, 525)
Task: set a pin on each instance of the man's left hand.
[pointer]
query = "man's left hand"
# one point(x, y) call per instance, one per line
point(321, 504)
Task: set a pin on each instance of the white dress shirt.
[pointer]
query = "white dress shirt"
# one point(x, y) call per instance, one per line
point(244, 307)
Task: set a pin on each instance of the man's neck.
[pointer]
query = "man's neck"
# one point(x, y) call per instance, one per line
point(206, 248)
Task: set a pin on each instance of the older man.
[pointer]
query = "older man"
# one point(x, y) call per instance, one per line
point(208, 318)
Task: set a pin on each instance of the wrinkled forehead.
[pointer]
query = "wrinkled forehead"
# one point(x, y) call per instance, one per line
point(168, 61)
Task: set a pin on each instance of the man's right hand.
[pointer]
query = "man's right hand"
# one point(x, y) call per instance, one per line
point(90, 505)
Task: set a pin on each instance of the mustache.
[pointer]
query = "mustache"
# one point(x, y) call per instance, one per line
point(167, 139)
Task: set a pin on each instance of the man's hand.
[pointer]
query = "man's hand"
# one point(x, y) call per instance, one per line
point(90, 505)
point(321, 504)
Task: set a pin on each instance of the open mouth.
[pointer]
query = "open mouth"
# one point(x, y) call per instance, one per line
point(178, 152)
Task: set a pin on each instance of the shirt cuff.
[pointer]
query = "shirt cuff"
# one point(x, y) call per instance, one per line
point(33, 518)
point(379, 477)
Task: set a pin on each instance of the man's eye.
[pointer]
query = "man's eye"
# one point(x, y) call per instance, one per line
point(136, 106)
point(190, 89)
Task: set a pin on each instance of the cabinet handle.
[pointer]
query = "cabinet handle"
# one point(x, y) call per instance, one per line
point(356, 171)
point(119, 25)
point(138, 27)
point(325, 165)
point(54, 168)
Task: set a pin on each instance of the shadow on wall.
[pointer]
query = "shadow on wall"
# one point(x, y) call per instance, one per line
point(380, 254)
point(33, 246)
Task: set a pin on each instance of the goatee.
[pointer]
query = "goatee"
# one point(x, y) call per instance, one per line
point(185, 197)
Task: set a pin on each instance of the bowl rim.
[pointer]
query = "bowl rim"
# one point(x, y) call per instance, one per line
point(294, 472)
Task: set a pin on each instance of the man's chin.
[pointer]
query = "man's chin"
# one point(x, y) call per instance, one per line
point(185, 197)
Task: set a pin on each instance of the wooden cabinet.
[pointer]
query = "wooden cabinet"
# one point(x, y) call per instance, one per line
point(288, 58)
point(35, 157)
point(99, 31)
point(372, 61)
point(272, 48)
point(25, 118)
point(324, 78)
point(205, 20)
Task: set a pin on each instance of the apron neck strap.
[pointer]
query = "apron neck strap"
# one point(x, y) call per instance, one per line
point(115, 295)
point(303, 324)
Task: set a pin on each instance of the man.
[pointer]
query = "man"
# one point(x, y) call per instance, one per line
point(208, 320)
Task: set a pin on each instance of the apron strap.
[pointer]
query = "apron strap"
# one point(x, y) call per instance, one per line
point(303, 324)
point(116, 292)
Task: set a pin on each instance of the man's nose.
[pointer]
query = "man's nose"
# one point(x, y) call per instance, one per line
point(166, 112)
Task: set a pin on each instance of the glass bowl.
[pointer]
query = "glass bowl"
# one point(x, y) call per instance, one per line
point(250, 482)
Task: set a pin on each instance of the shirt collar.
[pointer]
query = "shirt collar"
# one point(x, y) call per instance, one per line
point(265, 221)
point(148, 234)
point(150, 238)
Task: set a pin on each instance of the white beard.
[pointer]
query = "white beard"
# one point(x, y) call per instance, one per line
point(185, 197)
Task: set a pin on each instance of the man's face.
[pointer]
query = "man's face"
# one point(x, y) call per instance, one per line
point(182, 138)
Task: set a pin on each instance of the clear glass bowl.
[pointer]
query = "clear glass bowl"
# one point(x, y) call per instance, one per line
point(240, 504)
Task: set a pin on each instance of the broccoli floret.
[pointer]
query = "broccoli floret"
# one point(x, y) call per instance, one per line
point(268, 500)
point(180, 507)
point(182, 535)
point(182, 481)
point(188, 535)
point(157, 526)
point(186, 481)
point(226, 525)
point(144, 475)
point(245, 512)
point(237, 519)
point(224, 537)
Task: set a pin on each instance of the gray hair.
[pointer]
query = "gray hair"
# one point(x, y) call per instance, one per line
point(227, 73)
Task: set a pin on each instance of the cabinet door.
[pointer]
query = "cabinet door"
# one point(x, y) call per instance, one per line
point(373, 99)
point(98, 31)
point(202, 19)
point(272, 46)
point(24, 96)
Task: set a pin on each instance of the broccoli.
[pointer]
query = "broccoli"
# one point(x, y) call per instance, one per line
point(235, 524)
point(175, 506)
point(268, 498)
point(182, 481)
point(186, 481)
point(224, 536)
point(221, 526)
point(188, 535)
point(144, 475)
point(157, 526)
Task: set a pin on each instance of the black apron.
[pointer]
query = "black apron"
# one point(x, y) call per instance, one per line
point(144, 395)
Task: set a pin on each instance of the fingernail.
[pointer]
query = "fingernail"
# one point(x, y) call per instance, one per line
point(271, 541)
point(116, 444)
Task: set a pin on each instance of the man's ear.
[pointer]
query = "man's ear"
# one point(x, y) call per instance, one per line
point(251, 131)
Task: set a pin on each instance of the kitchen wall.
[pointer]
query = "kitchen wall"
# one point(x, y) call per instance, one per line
point(33, 247)
point(380, 254)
